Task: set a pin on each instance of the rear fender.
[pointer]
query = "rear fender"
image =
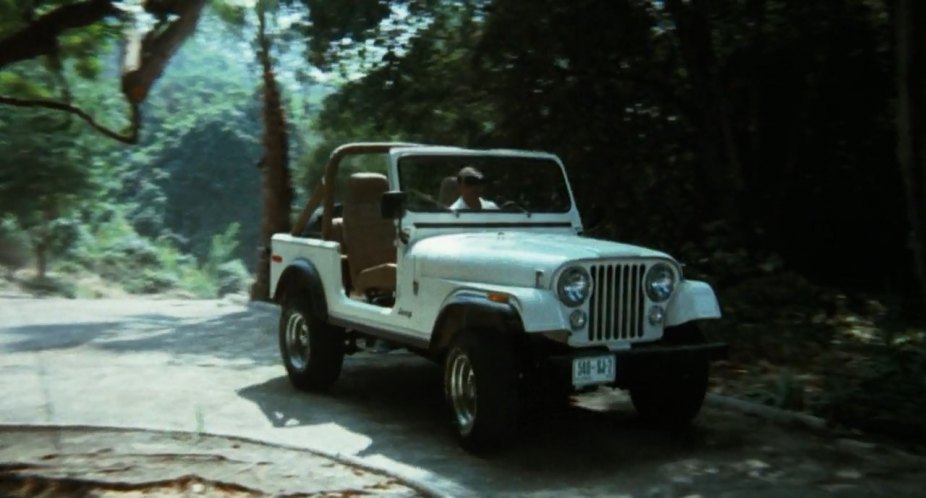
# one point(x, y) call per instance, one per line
point(302, 275)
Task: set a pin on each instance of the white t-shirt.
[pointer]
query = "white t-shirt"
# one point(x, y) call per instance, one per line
point(461, 204)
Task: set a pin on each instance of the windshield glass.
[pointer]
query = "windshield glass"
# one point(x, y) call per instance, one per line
point(443, 183)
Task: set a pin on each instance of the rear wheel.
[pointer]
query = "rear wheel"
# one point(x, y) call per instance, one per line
point(672, 392)
point(312, 350)
point(480, 386)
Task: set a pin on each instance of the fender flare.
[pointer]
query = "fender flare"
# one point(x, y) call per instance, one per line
point(694, 300)
point(471, 309)
point(302, 274)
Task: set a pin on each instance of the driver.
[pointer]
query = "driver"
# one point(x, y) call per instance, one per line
point(470, 180)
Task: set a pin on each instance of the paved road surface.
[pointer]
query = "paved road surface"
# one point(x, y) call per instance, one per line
point(213, 367)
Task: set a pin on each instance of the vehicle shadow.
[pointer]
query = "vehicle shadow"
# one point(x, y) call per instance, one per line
point(396, 400)
point(233, 337)
point(31, 338)
point(236, 336)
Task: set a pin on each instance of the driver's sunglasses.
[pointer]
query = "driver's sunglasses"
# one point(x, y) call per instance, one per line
point(472, 181)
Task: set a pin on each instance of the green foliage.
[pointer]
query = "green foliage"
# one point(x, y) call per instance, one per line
point(118, 254)
point(12, 83)
point(38, 173)
point(883, 389)
point(111, 248)
point(43, 184)
point(58, 236)
point(77, 59)
point(222, 248)
point(45, 286)
point(14, 244)
point(333, 21)
point(232, 277)
point(133, 215)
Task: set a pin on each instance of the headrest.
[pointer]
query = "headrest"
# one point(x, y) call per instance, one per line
point(449, 190)
point(366, 186)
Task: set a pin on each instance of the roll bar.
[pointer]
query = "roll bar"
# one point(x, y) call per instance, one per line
point(324, 193)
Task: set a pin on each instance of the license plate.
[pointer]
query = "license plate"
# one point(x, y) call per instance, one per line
point(590, 370)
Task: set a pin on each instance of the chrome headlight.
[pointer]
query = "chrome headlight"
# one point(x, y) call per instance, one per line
point(660, 282)
point(574, 286)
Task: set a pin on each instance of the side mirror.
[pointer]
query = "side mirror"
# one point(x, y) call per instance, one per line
point(393, 205)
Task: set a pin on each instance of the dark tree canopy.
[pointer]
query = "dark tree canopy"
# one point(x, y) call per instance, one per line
point(772, 117)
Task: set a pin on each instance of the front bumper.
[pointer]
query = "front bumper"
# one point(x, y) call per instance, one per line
point(631, 363)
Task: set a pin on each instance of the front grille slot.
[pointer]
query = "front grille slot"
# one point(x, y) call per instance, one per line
point(616, 306)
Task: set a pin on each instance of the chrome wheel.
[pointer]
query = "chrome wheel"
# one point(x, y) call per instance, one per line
point(463, 392)
point(297, 341)
point(311, 349)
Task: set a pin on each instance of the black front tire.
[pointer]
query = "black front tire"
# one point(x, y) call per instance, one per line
point(672, 392)
point(481, 389)
point(312, 350)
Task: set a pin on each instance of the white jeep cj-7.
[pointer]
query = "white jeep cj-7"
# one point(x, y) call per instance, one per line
point(508, 297)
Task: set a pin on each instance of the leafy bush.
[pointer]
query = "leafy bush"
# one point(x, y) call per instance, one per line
point(46, 286)
point(221, 249)
point(149, 281)
point(881, 389)
point(14, 244)
point(132, 251)
point(232, 277)
point(62, 235)
point(115, 251)
point(197, 282)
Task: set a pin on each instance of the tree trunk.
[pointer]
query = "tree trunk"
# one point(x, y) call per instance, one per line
point(719, 157)
point(41, 260)
point(277, 187)
point(42, 242)
point(911, 124)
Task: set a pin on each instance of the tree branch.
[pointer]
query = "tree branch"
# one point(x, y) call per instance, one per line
point(147, 62)
point(41, 37)
point(129, 137)
point(143, 64)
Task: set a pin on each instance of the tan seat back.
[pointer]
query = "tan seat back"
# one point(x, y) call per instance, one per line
point(368, 237)
point(337, 233)
point(449, 191)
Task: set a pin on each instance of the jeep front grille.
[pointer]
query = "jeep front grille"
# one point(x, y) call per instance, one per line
point(616, 305)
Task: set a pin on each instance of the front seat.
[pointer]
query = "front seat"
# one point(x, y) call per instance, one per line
point(449, 191)
point(369, 238)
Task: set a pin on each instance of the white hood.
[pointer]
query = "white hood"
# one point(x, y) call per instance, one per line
point(512, 258)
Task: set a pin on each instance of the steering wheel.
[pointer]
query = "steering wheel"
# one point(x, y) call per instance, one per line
point(513, 206)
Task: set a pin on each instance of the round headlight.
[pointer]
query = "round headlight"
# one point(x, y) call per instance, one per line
point(660, 282)
point(574, 286)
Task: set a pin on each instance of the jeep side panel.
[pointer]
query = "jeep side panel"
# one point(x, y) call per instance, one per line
point(342, 310)
point(325, 256)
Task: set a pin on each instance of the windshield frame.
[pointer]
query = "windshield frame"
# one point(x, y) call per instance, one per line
point(458, 153)
point(500, 219)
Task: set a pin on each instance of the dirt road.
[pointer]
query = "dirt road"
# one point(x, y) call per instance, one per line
point(212, 367)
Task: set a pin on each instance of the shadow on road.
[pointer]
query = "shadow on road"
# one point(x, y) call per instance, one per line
point(234, 336)
point(396, 401)
point(32, 338)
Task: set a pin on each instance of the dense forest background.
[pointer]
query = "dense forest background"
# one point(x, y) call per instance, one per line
point(760, 141)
